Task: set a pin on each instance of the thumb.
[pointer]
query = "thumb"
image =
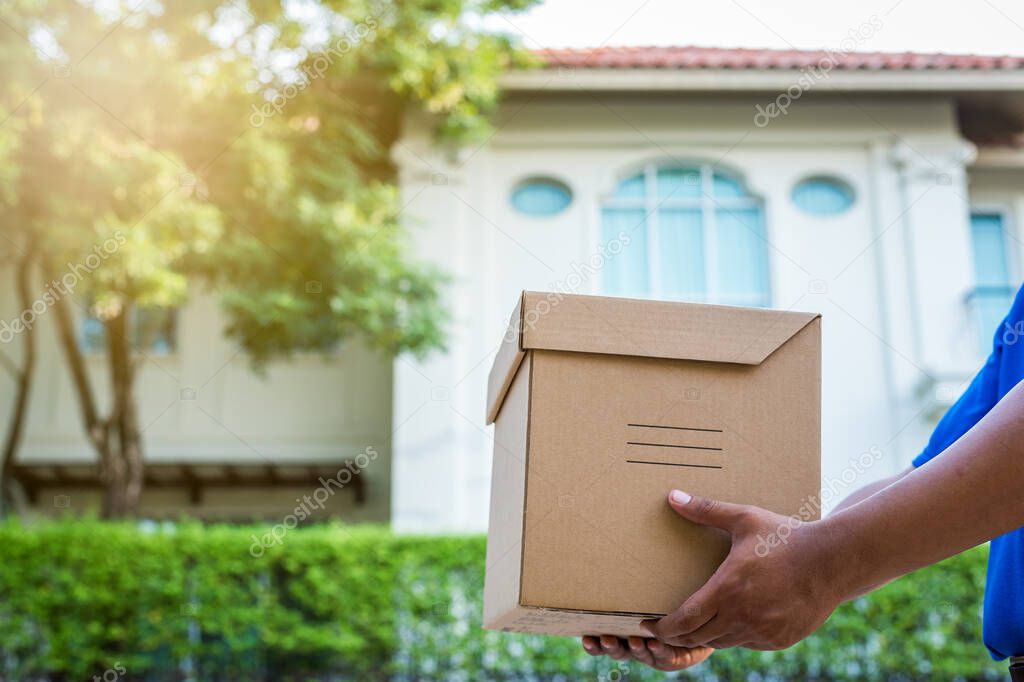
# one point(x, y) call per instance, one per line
point(705, 510)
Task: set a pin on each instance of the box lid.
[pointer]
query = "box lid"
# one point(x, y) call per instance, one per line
point(625, 326)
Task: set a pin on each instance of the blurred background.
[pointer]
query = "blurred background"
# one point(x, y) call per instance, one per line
point(257, 257)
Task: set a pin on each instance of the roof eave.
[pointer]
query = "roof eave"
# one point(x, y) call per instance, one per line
point(999, 157)
point(762, 80)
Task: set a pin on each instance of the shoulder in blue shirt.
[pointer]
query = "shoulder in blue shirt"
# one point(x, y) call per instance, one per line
point(1004, 590)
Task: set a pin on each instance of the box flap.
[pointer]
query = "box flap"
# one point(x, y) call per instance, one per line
point(655, 329)
point(644, 328)
point(506, 363)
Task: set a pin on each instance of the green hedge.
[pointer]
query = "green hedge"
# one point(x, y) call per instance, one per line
point(80, 599)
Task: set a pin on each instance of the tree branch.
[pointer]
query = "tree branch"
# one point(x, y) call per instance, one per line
point(24, 376)
point(76, 366)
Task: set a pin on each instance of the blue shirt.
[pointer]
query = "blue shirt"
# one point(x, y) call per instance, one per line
point(1004, 591)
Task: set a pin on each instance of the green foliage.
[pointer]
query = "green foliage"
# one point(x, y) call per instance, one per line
point(151, 148)
point(100, 179)
point(341, 603)
point(244, 144)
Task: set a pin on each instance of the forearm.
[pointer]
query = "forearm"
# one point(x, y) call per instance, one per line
point(858, 496)
point(971, 493)
point(867, 491)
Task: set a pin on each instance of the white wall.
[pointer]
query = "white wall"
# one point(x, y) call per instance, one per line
point(888, 276)
point(311, 409)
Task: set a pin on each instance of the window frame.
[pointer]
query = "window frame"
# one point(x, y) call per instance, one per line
point(551, 180)
point(99, 352)
point(708, 205)
point(1005, 211)
point(829, 177)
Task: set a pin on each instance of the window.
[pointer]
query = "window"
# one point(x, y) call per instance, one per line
point(541, 197)
point(153, 330)
point(694, 233)
point(823, 196)
point(993, 291)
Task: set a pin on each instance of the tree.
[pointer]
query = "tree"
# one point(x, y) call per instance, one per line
point(103, 198)
point(323, 132)
point(19, 255)
point(243, 145)
point(21, 371)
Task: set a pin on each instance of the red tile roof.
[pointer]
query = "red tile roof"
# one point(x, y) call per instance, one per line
point(744, 58)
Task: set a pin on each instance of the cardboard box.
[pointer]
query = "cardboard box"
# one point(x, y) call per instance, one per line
point(602, 406)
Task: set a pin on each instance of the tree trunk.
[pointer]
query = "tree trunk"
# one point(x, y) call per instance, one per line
point(117, 438)
point(126, 468)
point(23, 381)
point(97, 430)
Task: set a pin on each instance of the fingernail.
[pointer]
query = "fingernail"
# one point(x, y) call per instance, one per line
point(588, 646)
point(679, 497)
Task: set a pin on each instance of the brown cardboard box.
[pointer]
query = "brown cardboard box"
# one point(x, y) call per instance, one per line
point(602, 406)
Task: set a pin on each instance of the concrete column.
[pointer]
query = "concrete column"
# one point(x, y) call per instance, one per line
point(440, 447)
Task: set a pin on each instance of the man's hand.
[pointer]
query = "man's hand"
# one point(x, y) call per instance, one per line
point(658, 655)
point(773, 589)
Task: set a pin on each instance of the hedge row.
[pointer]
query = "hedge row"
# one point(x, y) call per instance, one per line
point(83, 600)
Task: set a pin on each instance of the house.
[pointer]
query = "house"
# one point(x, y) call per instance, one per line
point(881, 190)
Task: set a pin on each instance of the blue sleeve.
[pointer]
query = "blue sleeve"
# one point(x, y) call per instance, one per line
point(980, 397)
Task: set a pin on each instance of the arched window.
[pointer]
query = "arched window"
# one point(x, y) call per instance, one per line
point(694, 233)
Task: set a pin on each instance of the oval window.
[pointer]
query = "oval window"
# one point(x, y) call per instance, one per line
point(823, 195)
point(541, 197)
